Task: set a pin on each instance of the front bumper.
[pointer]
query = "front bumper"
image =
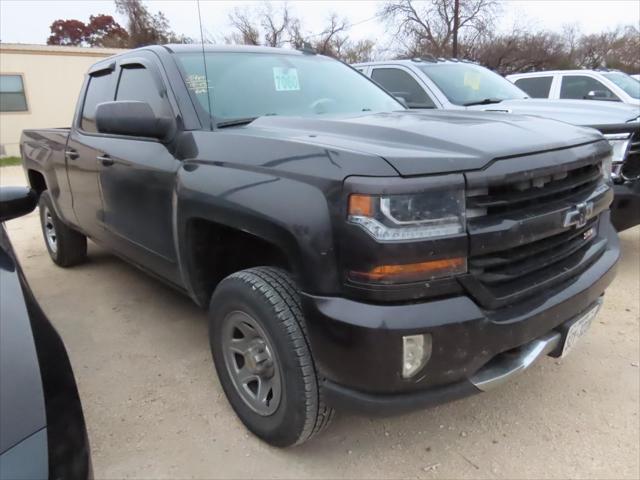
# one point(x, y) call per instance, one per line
point(625, 209)
point(358, 347)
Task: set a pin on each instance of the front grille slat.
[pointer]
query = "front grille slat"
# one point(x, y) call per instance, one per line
point(569, 185)
point(513, 255)
point(538, 259)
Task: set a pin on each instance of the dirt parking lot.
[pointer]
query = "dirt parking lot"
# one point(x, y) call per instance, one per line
point(155, 409)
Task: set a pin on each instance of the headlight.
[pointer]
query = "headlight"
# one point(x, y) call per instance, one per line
point(406, 218)
point(397, 218)
point(607, 168)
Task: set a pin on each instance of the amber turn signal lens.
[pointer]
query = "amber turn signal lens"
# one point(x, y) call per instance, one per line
point(412, 272)
point(361, 205)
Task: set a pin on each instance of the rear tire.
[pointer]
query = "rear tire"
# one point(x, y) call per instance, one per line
point(66, 246)
point(257, 332)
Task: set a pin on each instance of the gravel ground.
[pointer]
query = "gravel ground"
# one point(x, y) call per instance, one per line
point(155, 409)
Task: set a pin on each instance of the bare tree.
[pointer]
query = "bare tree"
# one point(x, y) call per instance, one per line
point(267, 26)
point(522, 51)
point(332, 39)
point(276, 25)
point(247, 32)
point(145, 28)
point(360, 51)
point(627, 55)
point(431, 26)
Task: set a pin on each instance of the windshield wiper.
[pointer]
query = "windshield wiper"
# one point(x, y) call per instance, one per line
point(486, 101)
point(235, 122)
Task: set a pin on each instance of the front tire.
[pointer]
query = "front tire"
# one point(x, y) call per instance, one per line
point(66, 246)
point(263, 358)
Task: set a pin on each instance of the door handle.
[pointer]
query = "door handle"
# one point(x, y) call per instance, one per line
point(105, 160)
point(71, 153)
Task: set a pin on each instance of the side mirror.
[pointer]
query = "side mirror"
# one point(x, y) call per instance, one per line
point(598, 95)
point(16, 202)
point(132, 118)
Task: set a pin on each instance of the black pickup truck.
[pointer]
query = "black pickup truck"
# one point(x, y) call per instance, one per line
point(351, 253)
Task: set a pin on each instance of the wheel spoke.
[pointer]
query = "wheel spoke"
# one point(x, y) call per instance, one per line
point(264, 387)
point(245, 376)
point(240, 345)
point(247, 330)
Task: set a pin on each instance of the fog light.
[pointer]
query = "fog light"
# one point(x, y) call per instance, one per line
point(416, 351)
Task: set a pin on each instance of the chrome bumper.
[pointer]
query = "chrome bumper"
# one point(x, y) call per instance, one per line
point(507, 365)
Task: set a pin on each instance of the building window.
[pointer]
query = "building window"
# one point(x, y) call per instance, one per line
point(12, 96)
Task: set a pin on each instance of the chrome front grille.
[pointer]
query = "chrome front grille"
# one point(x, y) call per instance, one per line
point(631, 167)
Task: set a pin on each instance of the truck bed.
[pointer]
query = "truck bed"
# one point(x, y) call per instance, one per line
point(43, 159)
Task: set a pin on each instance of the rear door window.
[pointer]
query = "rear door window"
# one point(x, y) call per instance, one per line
point(137, 83)
point(399, 83)
point(578, 86)
point(99, 90)
point(535, 87)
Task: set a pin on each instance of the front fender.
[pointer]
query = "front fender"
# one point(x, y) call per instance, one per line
point(292, 214)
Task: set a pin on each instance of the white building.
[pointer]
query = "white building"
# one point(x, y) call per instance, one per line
point(39, 86)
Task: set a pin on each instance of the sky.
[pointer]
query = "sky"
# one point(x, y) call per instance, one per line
point(27, 21)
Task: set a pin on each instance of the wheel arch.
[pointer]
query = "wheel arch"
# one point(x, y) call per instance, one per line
point(211, 250)
point(36, 180)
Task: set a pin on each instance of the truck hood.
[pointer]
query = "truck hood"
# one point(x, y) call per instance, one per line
point(420, 143)
point(576, 112)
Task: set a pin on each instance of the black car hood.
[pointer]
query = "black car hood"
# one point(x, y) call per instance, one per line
point(419, 143)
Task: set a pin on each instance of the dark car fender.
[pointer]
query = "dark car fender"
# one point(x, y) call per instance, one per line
point(290, 214)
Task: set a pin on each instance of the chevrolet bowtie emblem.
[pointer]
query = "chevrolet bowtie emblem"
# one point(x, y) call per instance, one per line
point(579, 215)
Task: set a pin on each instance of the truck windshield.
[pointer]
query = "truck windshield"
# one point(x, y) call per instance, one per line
point(247, 85)
point(630, 85)
point(467, 84)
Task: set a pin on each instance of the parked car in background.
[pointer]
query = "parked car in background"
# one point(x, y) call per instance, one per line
point(351, 253)
point(598, 85)
point(42, 429)
point(455, 85)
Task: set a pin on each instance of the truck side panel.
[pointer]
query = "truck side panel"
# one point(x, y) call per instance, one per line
point(43, 153)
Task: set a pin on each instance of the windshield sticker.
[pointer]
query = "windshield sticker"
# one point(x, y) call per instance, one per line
point(197, 83)
point(285, 79)
point(472, 80)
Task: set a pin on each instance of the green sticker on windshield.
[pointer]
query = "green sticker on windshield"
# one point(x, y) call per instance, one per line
point(285, 79)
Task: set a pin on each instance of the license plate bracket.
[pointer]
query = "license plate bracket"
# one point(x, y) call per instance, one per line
point(578, 328)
